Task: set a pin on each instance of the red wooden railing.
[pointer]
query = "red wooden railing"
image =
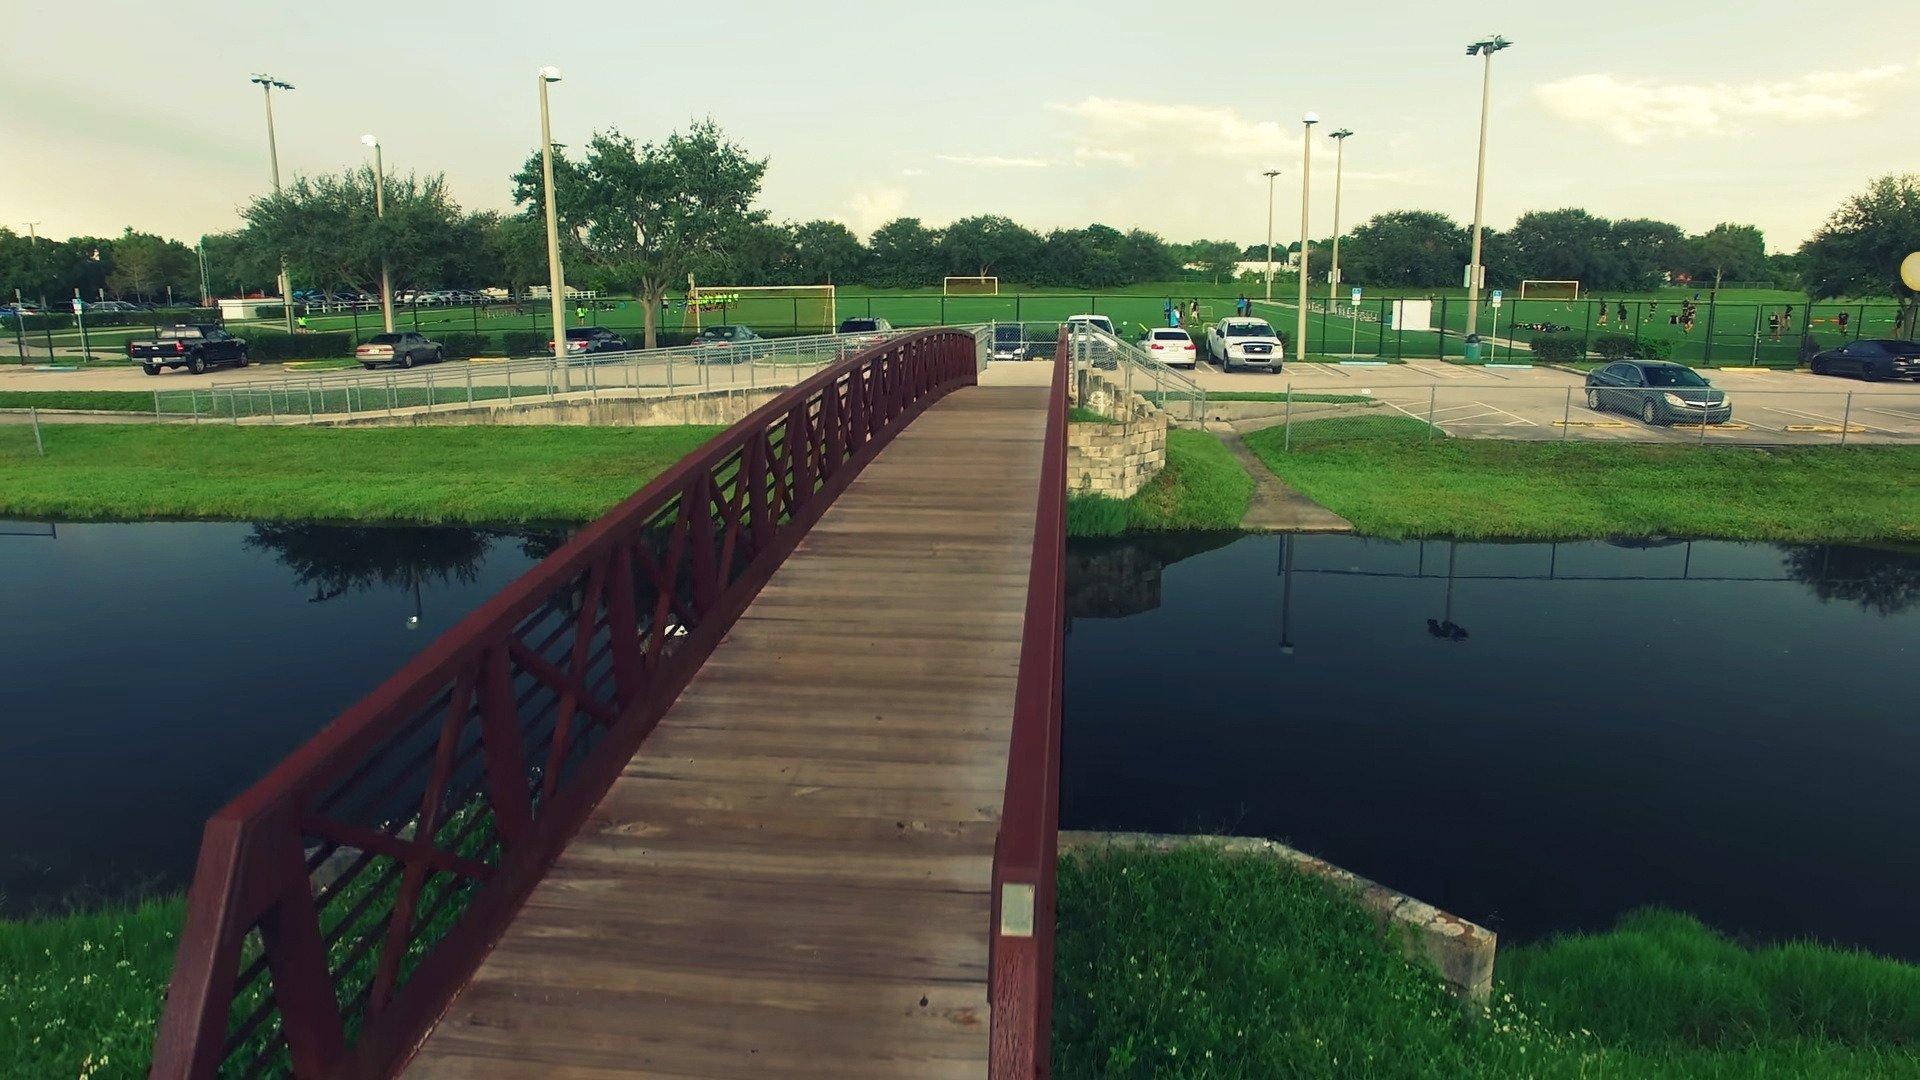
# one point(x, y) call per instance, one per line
point(1020, 965)
point(341, 902)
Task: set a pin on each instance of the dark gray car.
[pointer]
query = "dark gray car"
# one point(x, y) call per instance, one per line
point(1657, 392)
point(1871, 359)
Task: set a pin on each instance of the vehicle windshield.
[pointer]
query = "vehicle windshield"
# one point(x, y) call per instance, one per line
point(384, 339)
point(1901, 348)
point(585, 332)
point(180, 332)
point(1006, 333)
point(717, 333)
point(1171, 335)
point(1249, 329)
point(858, 325)
point(1673, 376)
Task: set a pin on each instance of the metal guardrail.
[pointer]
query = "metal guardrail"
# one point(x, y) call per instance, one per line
point(340, 902)
point(296, 399)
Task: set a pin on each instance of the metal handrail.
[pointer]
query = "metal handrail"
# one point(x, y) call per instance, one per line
point(340, 902)
point(1026, 849)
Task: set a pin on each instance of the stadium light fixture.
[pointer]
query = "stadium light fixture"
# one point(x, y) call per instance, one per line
point(268, 84)
point(1306, 174)
point(556, 275)
point(1485, 47)
point(1339, 138)
point(1270, 174)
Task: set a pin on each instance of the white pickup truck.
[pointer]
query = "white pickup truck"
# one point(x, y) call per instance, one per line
point(1246, 343)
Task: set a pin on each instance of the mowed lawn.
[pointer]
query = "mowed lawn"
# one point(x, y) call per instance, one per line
point(1390, 481)
point(449, 474)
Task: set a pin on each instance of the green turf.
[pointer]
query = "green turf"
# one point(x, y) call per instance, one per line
point(1268, 395)
point(92, 400)
point(1386, 476)
point(80, 995)
point(1198, 964)
point(1202, 489)
point(432, 474)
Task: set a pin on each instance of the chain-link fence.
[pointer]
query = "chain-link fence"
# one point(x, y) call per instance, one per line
point(1871, 415)
point(1133, 370)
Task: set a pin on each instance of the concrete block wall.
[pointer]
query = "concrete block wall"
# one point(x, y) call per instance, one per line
point(1117, 458)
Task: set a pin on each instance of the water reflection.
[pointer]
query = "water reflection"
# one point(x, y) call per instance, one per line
point(1537, 735)
point(149, 672)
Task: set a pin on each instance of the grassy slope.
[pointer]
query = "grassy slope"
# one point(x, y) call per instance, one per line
point(400, 474)
point(1203, 488)
point(102, 400)
point(80, 994)
point(1194, 964)
point(1390, 481)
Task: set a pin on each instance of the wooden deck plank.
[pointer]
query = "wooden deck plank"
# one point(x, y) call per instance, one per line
point(791, 878)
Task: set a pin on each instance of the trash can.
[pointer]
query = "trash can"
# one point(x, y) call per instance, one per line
point(1472, 355)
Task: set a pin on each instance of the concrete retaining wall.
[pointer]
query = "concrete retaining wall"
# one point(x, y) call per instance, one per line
point(608, 408)
point(1461, 952)
point(1115, 459)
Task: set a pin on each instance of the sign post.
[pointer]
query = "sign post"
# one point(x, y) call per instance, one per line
point(1353, 317)
point(80, 316)
point(1494, 299)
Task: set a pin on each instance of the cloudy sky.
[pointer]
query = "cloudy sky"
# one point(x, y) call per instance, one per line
point(1132, 113)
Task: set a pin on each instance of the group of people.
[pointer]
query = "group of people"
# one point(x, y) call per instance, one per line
point(1189, 313)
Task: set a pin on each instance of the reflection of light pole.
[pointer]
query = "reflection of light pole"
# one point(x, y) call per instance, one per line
point(413, 620)
point(1446, 629)
point(1270, 174)
point(268, 84)
point(1286, 594)
point(1484, 48)
point(380, 214)
point(1339, 168)
point(1306, 170)
point(556, 276)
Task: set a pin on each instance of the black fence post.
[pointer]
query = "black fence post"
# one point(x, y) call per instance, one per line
point(1443, 328)
point(1380, 335)
point(1706, 356)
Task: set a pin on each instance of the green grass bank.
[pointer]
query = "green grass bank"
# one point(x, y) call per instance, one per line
point(427, 475)
point(1197, 964)
point(1385, 475)
point(1202, 489)
point(80, 994)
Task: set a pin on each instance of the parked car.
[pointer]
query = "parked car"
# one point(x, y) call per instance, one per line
point(869, 331)
point(1097, 322)
point(1009, 343)
point(112, 307)
point(1871, 359)
point(729, 343)
point(403, 349)
point(194, 346)
point(592, 339)
point(1658, 392)
point(1171, 346)
point(1245, 342)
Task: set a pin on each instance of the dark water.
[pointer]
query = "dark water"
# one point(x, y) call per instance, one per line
point(1558, 734)
point(150, 672)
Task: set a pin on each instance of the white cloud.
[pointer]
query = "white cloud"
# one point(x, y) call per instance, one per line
point(1636, 111)
point(1115, 128)
point(873, 208)
point(1085, 155)
point(992, 161)
point(911, 171)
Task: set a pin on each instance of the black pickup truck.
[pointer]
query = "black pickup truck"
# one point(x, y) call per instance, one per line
point(194, 346)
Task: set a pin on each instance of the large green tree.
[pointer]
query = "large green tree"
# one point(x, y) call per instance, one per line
point(645, 216)
point(1568, 244)
point(1215, 258)
point(903, 253)
point(1729, 251)
point(1645, 253)
point(327, 228)
point(1859, 250)
point(989, 245)
point(146, 266)
point(1405, 249)
point(826, 253)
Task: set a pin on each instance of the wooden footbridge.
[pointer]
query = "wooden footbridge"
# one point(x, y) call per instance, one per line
point(757, 776)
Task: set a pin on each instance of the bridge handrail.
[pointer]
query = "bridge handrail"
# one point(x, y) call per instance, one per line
point(1025, 851)
point(340, 902)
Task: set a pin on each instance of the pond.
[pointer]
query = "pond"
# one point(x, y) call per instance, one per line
point(1538, 737)
point(149, 672)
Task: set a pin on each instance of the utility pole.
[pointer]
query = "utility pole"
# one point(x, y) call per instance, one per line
point(380, 214)
point(1270, 174)
point(1339, 169)
point(268, 84)
point(1485, 48)
point(1306, 173)
point(556, 275)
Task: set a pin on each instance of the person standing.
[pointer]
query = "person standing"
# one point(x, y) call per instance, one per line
point(1193, 312)
point(1773, 326)
point(1843, 318)
point(1173, 315)
point(1622, 319)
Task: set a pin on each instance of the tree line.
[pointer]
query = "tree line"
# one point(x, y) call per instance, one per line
point(640, 217)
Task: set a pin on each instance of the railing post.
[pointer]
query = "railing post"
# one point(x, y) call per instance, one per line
point(1846, 418)
point(507, 787)
point(296, 956)
point(1433, 392)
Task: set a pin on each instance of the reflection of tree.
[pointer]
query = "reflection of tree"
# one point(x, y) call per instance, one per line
point(1111, 579)
point(338, 559)
point(1885, 581)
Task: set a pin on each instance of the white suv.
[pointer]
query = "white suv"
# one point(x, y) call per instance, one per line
point(1243, 342)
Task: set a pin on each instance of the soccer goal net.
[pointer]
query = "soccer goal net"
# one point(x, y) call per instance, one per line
point(763, 307)
point(1549, 290)
point(971, 286)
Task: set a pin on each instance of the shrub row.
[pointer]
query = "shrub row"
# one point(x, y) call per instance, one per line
point(465, 344)
point(167, 317)
point(1624, 347)
point(1558, 348)
point(276, 345)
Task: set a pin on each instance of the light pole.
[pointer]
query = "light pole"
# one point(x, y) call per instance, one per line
point(1485, 48)
point(556, 275)
point(33, 252)
point(206, 294)
point(1306, 172)
point(1270, 174)
point(1339, 168)
point(380, 214)
point(268, 84)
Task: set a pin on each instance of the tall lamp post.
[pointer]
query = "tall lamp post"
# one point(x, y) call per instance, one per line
point(33, 252)
point(1485, 48)
point(556, 275)
point(380, 214)
point(1339, 168)
point(1306, 172)
point(268, 84)
point(1270, 174)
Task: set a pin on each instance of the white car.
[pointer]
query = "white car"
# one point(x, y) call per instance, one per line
point(1171, 346)
point(1098, 322)
point(1244, 342)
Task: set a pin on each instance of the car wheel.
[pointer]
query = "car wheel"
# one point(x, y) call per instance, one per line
point(1593, 400)
point(150, 369)
point(369, 367)
point(1818, 367)
point(406, 360)
point(242, 362)
point(1650, 412)
point(439, 356)
point(1869, 373)
point(197, 366)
